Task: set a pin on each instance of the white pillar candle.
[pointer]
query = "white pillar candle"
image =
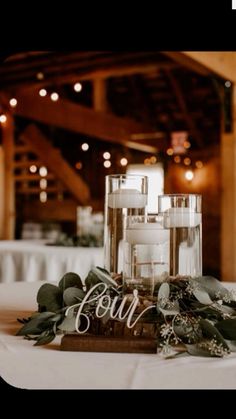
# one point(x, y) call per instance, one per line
point(146, 233)
point(127, 198)
point(181, 217)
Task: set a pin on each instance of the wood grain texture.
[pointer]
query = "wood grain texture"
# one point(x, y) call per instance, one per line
point(91, 343)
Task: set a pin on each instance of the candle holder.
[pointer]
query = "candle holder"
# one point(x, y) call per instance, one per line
point(125, 195)
point(146, 254)
point(182, 216)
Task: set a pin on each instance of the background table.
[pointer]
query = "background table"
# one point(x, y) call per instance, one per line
point(22, 260)
point(25, 366)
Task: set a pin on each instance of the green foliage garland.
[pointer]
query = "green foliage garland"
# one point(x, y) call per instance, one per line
point(197, 315)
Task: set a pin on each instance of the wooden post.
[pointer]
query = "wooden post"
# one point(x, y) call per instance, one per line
point(9, 185)
point(100, 95)
point(228, 198)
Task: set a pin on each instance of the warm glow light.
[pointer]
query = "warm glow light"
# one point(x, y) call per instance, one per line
point(187, 161)
point(43, 171)
point(189, 175)
point(85, 147)
point(107, 164)
point(43, 183)
point(42, 92)
point(13, 102)
point(3, 118)
point(170, 151)
point(106, 155)
point(123, 161)
point(153, 159)
point(147, 161)
point(43, 196)
point(33, 168)
point(40, 75)
point(227, 83)
point(187, 144)
point(177, 159)
point(77, 87)
point(78, 165)
point(199, 164)
point(54, 96)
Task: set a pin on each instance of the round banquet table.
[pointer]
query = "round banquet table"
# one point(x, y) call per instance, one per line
point(26, 366)
point(32, 260)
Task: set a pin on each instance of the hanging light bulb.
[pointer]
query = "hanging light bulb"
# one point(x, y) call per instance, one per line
point(189, 175)
point(43, 92)
point(54, 96)
point(3, 118)
point(77, 87)
point(13, 102)
point(123, 161)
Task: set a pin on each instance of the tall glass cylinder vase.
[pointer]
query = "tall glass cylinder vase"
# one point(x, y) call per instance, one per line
point(182, 215)
point(125, 195)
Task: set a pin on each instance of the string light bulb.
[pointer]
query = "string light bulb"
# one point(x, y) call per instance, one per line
point(170, 151)
point(43, 183)
point(177, 159)
point(33, 168)
point(54, 96)
point(227, 83)
point(13, 102)
point(3, 118)
point(123, 161)
point(43, 171)
point(43, 196)
point(40, 75)
point(78, 165)
point(106, 155)
point(107, 164)
point(187, 161)
point(187, 144)
point(85, 146)
point(43, 92)
point(77, 87)
point(189, 175)
point(199, 164)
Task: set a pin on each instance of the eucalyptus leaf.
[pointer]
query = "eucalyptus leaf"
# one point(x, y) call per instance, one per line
point(73, 296)
point(37, 324)
point(202, 296)
point(45, 338)
point(164, 291)
point(172, 311)
point(196, 350)
point(49, 298)
point(212, 332)
point(70, 279)
point(104, 276)
point(68, 324)
point(212, 286)
point(231, 344)
point(227, 328)
point(91, 280)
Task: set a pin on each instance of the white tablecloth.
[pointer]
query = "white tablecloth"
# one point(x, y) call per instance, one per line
point(22, 260)
point(25, 366)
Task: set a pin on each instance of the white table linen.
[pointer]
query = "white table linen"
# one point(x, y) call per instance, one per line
point(22, 260)
point(25, 366)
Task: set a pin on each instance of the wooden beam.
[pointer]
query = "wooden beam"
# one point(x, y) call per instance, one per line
point(52, 210)
point(56, 164)
point(100, 95)
point(36, 190)
point(186, 61)
point(9, 190)
point(77, 118)
point(33, 177)
point(26, 164)
point(55, 210)
point(228, 200)
point(221, 63)
point(183, 106)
